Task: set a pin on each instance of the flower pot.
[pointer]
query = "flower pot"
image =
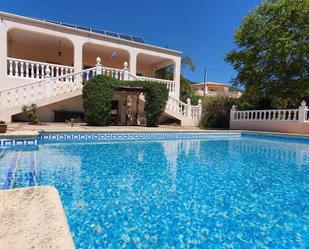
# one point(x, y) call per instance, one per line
point(3, 128)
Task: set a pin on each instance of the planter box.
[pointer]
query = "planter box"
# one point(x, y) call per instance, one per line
point(3, 128)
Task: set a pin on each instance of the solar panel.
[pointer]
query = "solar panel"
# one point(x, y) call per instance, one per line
point(83, 28)
point(69, 25)
point(138, 39)
point(109, 33)
point(126, 37)
point(99, 31)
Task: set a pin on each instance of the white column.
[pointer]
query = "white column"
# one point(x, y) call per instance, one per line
point(78, 60)
point(232, 113)
point(302, 110)
point(176, 78)
point(133, 62)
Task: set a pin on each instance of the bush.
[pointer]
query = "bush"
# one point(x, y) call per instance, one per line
point(99, 90)
point(97, 96)
point(31, 112)
point(216, 112)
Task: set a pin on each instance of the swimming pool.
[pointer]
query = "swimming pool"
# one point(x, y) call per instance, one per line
point(172, 191)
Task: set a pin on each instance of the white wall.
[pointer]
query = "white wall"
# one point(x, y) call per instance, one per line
point(277, 126)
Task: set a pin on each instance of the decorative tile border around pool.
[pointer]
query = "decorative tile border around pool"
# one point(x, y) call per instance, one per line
point(278, 137)
point(9, 142)
point(132, 136)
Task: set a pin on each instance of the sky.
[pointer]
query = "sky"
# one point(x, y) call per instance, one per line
point(202, 29)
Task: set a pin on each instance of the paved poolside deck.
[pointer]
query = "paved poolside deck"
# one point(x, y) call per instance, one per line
point(33, 218)
point(26, 129)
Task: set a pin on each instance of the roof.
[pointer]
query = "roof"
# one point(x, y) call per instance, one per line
point(129, 40)
point(209, 83)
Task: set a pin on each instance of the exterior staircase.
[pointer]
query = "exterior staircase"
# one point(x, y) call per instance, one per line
point(50, 90)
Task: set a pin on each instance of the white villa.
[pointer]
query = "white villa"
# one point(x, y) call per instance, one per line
point(214, 89)
point(47, 63)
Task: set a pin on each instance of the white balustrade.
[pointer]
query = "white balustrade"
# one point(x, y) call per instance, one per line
point(34, 69)
point(266, 115)
point(170, 84)
point(182, 109)
point(285, 115)
point(55, 80)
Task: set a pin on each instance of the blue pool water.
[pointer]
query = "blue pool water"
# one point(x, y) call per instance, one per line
point(241, 192)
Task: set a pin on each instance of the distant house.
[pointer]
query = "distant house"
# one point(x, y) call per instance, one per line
point(214, 89)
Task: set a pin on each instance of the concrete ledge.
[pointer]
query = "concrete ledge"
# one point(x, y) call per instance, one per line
point(33, 218)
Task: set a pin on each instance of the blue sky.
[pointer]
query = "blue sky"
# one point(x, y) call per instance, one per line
point(201, 28)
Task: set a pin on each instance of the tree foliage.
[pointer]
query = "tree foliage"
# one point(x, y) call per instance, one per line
point(216, 112)
point(99, 90)
point(272, 54)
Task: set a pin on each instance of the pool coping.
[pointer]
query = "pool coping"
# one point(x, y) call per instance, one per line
point(20, 230)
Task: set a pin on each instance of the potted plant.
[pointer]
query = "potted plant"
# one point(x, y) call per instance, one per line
point(71, 122)
point(3, 126)
point(31, 112)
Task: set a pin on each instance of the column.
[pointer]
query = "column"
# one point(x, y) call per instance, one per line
point(176, 78)
point(133, 62)
point(302, 112)
point(78, 60)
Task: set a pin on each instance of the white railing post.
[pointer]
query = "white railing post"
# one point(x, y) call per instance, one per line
point(189, 109)
point(232, 112)
point(98, 69)
point(200, 108)
point(125, 71)
point(302, 112)
point(49, 86)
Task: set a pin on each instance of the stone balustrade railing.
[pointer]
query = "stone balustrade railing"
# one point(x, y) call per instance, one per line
point(51, 84)
point(44, 88)
point(285, 115)
point(169, 83)
point(34, 69)
point(182, 109)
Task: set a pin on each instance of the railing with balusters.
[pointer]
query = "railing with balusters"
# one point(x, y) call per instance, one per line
point(34, 69)
point(182, 109)
point(176, 106)
point(281, 120)
point(170, 84)
point(264, 115)
point(283, 115)
point(47, 87)
point(55, 80)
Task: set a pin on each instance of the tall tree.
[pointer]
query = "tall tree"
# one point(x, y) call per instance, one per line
point(272, 54)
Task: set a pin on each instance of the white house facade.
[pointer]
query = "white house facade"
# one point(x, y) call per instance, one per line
point(47, 63)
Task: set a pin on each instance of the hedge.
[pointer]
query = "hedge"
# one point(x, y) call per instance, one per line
point(98, 93)
point(216, 112)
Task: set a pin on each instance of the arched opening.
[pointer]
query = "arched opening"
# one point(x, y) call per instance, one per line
point(38, 47)
point(155, 66)
point(110, 56)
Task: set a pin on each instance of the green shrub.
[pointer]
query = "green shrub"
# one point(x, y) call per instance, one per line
point(97, 96)
point(99, 90)
point(31, 112)
point(216, 112)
